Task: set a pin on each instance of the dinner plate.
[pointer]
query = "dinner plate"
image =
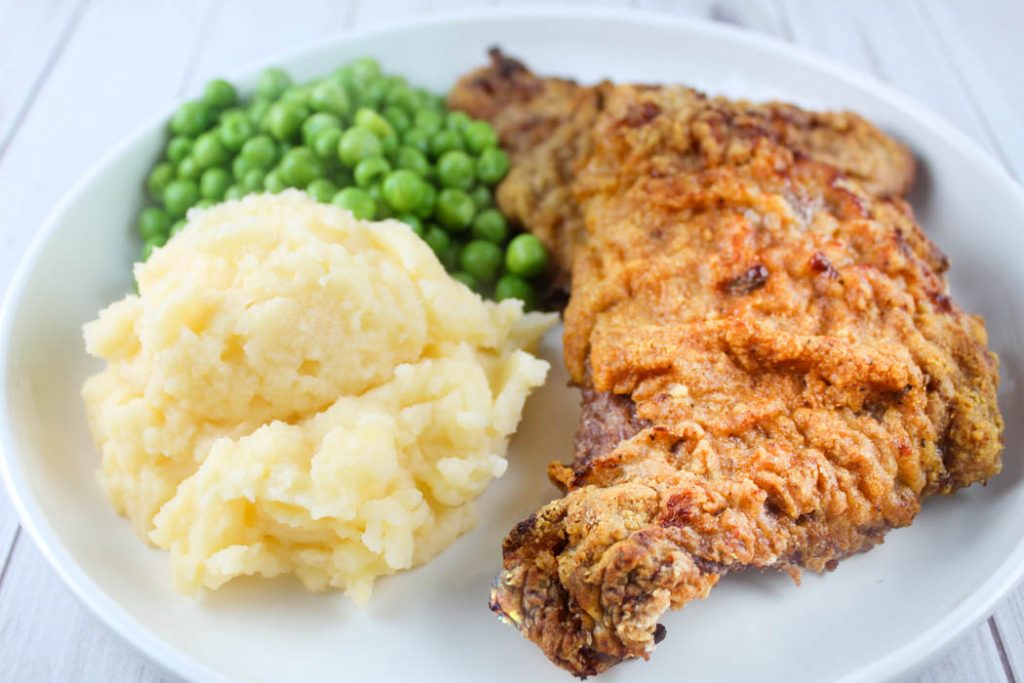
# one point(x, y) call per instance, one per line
point(881, 615)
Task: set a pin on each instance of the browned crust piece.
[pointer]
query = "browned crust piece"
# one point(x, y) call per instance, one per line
point(794, 376)
point(546, 125)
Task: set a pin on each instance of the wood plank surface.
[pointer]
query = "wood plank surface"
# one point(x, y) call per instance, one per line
point(46, 634)
point(33, 36)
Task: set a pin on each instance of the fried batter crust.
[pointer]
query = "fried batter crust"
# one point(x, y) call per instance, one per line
point(799, 377)
point(546, 124)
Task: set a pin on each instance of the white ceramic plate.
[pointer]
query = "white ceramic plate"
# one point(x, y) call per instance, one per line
point(880, 616)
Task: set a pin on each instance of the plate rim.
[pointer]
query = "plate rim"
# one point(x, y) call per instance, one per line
point(919, 650)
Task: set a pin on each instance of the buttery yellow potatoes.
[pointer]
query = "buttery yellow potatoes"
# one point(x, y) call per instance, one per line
point(294, 390)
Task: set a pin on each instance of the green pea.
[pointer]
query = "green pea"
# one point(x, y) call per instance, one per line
point(456, 169)
point(423, 98)
point(526, 256)
point(234, 192)
point(513, 287)
point(398, 119)
point(322, 190)
point(444, 141)
point(252, 181)
point(329, 96)
point(153, 221)
point(371, 170)
point(383, 209)
point(158, 240)
point(492, 165)
point(457, 120)
point(413, 222)
point(316, 123)
point(403, 98)
point(428, 121)
point(178, 148)
point(178, 226)
point(257, 112)
point(298, 95)
point(482, 196)
point(149, 247)
point(272, 182)
point(490, 225)
point(429, 100)
point(371, 120)
point(403, 190)
point(450, 257)
point(208, 151)
point(482, 260)
point(325, 143)
point(179, 195)
point(365, 69)
point(234, 130)
point(205, 203)
point(395, 81)
point(284, 120)
point(357, 144)
point(272, 83)
point(479, 135)
point(412, 159)
point(214, 183)
point(390, 146)
point(371, 95)
point(299, 167)
point(158, 178)
point(191, 119)
point(219, 94)
point(258, 152)
point(417, 139)
point(342, 176)
point(189, 169)
point(438, 240)
point(240, 166)
point(454, 209)
point(465, 278)
point(359, 202)
point(428, 203)
point(230, 112)
point(344, 75)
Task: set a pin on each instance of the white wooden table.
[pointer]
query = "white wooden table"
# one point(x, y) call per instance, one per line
point(75, 76)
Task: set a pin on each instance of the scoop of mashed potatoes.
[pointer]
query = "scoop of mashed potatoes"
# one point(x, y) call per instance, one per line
point(294, 390)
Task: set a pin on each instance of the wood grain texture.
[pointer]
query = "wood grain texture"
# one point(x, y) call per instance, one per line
point(33, 36)
point(46, 634)
point(974, 658)
point(889, 40)
point(76, 116)
point(1009, 635)
point(957, 58)
point(760, 16)
point(242, 32)
point(9, 532)
point(983, 52)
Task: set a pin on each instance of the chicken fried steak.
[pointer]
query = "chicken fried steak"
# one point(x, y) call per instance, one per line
point(773, 371)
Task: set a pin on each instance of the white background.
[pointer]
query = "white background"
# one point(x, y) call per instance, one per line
point(76, 76)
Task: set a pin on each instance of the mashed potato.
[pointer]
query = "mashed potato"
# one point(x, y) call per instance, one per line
point(298, 391)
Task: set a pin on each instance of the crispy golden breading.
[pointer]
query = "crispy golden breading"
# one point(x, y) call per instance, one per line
point(774, 374)
point(546, 125)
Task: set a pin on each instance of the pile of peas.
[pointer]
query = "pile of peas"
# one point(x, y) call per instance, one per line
point(361, 140)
